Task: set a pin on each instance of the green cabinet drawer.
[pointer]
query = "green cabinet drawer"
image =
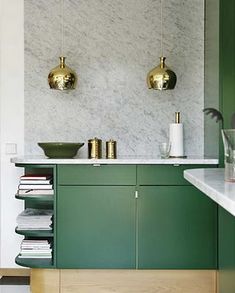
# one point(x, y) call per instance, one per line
point(96, 175)
point(164, 174)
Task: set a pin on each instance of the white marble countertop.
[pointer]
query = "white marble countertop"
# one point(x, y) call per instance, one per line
point(211, 182)
point(120, 161)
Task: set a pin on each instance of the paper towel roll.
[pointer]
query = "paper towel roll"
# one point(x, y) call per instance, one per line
point(176, 137)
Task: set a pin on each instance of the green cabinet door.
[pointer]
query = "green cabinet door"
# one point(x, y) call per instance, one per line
point(96, 227)
point(226, 252)
point(177, 228)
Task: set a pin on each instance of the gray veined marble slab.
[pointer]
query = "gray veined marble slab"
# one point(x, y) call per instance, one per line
point(211, 182)
point(112, 45)
point(122, 160)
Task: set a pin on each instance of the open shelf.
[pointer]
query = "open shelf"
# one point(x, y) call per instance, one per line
point(36, 197)
point(35, 233)
point(34, 262)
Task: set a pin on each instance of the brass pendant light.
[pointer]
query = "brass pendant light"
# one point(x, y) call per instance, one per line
point(161, 77)
point(62, 77)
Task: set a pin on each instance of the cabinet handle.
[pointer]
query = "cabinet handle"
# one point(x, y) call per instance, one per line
point(96, 165)
point(136, 194)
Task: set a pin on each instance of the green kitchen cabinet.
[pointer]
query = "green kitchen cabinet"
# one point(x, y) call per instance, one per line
point(220, 93)
point(97, 174)
point(96, 216)
point(126, 217)
point(144, 216)
point(176, 228)
point(226, 252)
point(164, 174)
point(227, 60)
point(219, 70)
point(96, 227)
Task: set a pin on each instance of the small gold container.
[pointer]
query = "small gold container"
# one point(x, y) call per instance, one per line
point(111, 149)
point(95, 148)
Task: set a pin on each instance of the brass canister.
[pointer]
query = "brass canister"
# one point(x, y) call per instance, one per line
point(111, 149)
point(95, 148)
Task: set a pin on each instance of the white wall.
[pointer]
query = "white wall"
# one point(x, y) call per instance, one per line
point(11, 122)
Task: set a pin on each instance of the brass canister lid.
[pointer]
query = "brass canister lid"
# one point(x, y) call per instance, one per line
point(95, 139)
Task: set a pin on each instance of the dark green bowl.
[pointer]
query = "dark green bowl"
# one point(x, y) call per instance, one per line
point(60, 150)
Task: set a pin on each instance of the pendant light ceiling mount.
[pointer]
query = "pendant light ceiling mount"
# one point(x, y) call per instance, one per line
point(62, 77)
point(161, 77)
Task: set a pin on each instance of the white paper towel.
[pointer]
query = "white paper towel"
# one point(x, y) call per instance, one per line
point(176, 137)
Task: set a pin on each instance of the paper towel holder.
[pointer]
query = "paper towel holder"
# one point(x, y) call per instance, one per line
point(177, 121)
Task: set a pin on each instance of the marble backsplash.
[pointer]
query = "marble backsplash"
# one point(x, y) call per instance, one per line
point(112, 44)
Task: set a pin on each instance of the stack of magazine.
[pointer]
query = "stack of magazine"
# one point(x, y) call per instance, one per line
point(33, 184)
point(35, 219)
point(35, 249)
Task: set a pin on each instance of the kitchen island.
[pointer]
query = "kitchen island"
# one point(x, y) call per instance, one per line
point(140, 215)
point(211, 182)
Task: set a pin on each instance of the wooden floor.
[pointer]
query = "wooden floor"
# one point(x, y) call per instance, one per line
point(123, 281)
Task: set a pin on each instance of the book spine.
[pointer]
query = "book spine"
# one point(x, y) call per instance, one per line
point(24, 181)
point(35, 192)
point(36, 176)
point(35, 186)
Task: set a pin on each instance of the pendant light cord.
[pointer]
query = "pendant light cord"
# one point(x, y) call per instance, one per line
point(62, 27)
point(161, 13)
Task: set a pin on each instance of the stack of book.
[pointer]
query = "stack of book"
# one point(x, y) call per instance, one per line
point(35, 219)
point(35, 249)
point(31, 184)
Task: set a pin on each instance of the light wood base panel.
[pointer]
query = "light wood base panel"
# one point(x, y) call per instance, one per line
point(15, 272)
point(44, 280)
point(123, 281)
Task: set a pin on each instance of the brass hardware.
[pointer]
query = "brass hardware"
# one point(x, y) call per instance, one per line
point(95, 148)
point(161, 77)
point(111, 149)
point(177, 117)
point(62, 77)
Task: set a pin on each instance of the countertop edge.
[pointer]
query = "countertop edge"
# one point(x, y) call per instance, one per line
point(208, 188)
point(125, 161)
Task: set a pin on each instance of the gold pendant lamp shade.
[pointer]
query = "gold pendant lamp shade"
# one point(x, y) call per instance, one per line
point(161, 77)
point(62, 77)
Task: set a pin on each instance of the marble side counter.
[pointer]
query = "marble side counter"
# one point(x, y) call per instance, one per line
point(120, 161)
point(211, 182)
